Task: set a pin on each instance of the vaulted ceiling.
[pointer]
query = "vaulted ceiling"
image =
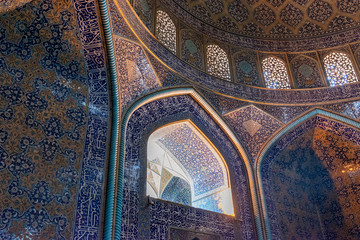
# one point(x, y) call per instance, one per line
point(277, 19)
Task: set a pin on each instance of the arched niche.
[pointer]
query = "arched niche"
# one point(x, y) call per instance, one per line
point(306, 176)
point(183, 166)
point(135, 217)
point(306, 72)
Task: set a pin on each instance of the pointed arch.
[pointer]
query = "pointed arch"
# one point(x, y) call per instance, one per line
point(306, 71)
point(339, 68)
point(217, 62)
point(141, 119)
point(275, 73)
point(173, 153)
point(290, 132)
point(165, 30)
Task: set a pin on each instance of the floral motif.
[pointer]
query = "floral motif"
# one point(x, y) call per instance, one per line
point(307, 74)
point(309, 29)
point(301, 2)
point(215, 6)
point(348, 6)
point(280, 30)
point(238, 11)
point(264, 15)
point(291, 15)
point(276, 3)
point(340, 22)
point(320, 11)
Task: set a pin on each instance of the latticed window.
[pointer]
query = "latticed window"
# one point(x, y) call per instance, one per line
point(217, 62)
point(166, 30)
point(275, 73)
point(339, 69)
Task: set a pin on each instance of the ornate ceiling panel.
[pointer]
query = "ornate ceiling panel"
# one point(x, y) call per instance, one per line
point(277, 19)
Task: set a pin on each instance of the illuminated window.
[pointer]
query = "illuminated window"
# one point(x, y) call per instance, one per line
point(218, 62)
point(275, 73)
point(183, 167)
point(339, 69)
point(166, 30)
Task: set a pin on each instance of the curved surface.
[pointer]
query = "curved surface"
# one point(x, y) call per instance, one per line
point(291, 130)
point(242, 92)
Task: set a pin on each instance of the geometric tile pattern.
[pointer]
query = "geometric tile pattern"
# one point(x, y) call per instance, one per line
point(253, 126)
point(301, 25)
point(135, 74)
point(273, 12)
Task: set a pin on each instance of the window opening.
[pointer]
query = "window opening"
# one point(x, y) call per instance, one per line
point(339, 69)
point(184, 167)
point(275, 73)
point(218, 62)
point(166, 30)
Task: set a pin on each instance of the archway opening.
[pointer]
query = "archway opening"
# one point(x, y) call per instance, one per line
point(310, 178)
point(184, 167)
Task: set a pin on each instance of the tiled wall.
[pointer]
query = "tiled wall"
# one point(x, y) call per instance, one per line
point(310, 178)
point(135, 217)
point(53, 120)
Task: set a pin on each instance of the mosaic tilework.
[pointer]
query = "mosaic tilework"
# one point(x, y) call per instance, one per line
point(143, 121)
point(144, 9)
point(287, 113)
point(201, 163)
point(43, 118)
point(7, 6)
point(335, 146)
point(237, 90)
point(88, 216)
point(185, 234)
point(298, 26)
point(306, 72)
point(284, 113)
point(350, 109)
point(246, 68)
point(167, 77)
point(171, 192)
point(253, 127)
point(191, 219)
point(220, 103)
point(192, 48)
point(135, 74)
point(119, 25)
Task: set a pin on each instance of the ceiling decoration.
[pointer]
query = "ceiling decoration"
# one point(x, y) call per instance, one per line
point(276, 19)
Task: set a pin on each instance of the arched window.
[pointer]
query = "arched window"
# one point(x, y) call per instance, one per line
point(165, 30)
point(184, 167)
point(339, 69)
point(275, 73)
point(217, 62)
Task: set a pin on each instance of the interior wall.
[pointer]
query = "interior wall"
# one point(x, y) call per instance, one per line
point(54, 117)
